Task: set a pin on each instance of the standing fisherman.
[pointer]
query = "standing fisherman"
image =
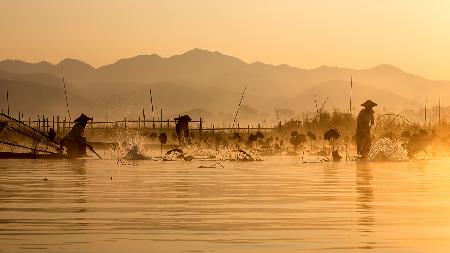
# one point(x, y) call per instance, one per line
point(182, 127)
point(74, 141)
point(364, 123)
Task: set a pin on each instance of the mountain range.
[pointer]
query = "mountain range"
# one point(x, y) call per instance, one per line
point(207, 80)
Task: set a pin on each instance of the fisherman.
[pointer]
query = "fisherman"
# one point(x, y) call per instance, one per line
point(364, 123)
point(51, 134)
point(182, 127)
point(75, 142)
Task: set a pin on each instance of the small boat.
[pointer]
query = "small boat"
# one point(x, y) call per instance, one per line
point(35, 144)
point(14, 155)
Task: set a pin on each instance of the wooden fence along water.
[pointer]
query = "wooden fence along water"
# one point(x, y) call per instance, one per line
point(62, 125)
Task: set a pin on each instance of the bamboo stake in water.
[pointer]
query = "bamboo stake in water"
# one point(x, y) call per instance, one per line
point(7, 99)
point(351, 93)
point(239, 105)
point(67, 101)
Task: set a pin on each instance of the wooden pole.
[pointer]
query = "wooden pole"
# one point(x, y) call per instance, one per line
point(439, 111)
point(200, 128)
point(426, 113)
point(143, 114)
point(7, 100)
point(161, 121)
point(351, 93)
point(57, 124)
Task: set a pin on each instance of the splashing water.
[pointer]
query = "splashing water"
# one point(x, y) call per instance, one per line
point(130, 145)
point(387, 149)
point(135, 154)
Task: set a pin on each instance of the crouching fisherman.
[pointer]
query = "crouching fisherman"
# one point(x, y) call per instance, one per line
point(75, 142)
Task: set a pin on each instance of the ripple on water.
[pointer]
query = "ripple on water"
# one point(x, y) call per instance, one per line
point(280, 204)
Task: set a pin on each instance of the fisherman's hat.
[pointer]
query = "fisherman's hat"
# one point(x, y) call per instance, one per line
point(369, 104)
point(82, 118)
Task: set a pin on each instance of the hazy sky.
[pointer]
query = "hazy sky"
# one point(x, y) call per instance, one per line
point(411, 34)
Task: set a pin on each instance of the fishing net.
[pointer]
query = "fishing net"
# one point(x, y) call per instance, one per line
point(16, 136)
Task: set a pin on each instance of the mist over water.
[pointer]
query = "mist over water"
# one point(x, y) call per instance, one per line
point(279, 205)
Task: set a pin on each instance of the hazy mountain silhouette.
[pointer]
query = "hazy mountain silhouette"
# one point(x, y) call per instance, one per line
point(213, 81)
point(33, 99)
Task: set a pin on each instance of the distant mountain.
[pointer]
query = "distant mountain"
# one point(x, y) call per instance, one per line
point(33, 99)
point(21, 67)
point(214, 81)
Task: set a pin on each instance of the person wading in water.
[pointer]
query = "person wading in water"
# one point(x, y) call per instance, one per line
point(75, 142)
point(364, 123)
point(182, 128)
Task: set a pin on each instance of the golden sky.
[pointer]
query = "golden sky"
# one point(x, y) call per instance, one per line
point(411, 34)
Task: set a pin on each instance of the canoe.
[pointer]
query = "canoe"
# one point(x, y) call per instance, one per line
point(12, 155)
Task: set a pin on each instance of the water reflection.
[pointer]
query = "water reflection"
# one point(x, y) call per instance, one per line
point(364, 203)
point(279, 205)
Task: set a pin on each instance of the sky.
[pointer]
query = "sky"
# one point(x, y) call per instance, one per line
point(410, 34)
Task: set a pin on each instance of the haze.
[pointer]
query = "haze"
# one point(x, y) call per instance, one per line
point(412, 35)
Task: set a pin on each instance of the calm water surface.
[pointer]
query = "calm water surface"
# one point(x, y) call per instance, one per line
point(278, 205)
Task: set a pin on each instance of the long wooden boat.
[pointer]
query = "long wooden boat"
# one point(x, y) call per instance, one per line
point(13, 155)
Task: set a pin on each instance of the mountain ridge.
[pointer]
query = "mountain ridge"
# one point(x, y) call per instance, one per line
point(213, 80)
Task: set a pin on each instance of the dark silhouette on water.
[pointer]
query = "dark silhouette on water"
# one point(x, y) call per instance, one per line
point(182, 128)
point(363, 124)
point(331, 134)
point(75, 142)
point(297, 139)
point(162, 137)
point(51, 134)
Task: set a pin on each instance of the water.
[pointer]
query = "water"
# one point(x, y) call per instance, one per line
point(278, 205)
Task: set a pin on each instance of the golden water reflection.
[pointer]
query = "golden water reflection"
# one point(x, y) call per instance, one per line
point(278, 205)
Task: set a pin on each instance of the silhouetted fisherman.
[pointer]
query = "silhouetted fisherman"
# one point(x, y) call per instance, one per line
point(364, 123)
point(182, 127)
point(74, 141)
point(51, 134)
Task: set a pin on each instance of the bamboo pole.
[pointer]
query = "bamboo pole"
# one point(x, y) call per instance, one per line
point(143, 114)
